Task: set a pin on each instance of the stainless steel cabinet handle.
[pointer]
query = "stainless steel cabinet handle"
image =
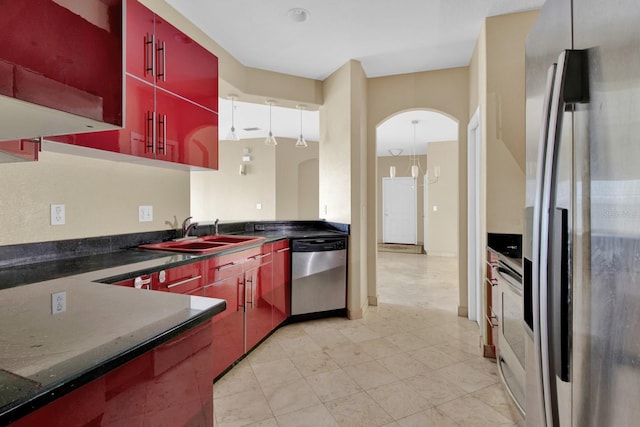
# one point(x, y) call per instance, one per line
point(282, 250)
point(149, 54)
point(162, 73)
point(182, 282)
point(162, 126)
point(226, 266)
point(249, 288)
point(149, 129)
point(261, 256)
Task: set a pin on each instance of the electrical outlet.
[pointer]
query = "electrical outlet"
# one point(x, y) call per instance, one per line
point(145, 213)
point(58, 302)
point(57, 215)
point(258, 206)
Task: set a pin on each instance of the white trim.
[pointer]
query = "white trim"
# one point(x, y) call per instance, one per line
point(474, 216)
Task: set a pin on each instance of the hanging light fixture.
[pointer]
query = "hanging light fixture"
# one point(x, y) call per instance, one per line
point(232, 135)
point(415, 169)
point(301, 142)
point(270, 140)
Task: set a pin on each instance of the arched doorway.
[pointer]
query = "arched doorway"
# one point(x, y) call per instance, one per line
point(402, 151)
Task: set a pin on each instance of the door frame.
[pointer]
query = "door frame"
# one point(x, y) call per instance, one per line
point(474, 218)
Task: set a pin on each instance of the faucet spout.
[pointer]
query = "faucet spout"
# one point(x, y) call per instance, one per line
point(215, 226)
point(187, 226)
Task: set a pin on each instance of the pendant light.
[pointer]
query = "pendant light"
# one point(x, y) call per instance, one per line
point(232, 135)
point(301, 142)
point(270, 140)
point(415, 169)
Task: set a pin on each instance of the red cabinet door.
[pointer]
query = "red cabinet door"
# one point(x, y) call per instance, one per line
point(225, 275)
point(186, 133)
point(140, 41)
point(64, 58)
point(137, 138)
point(258, 296)
point(281, 282)
point(180, 280)
point(228, 326)
point(184, 67)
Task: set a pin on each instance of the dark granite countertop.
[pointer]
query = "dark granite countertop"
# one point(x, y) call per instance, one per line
point(44, 356)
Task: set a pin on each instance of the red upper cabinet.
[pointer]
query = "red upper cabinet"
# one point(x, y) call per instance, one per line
point(171, 97)
point(64, 56)
point(184, 67)
point(163, 55)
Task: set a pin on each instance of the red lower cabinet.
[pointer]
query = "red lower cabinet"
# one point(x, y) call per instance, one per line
point(19, 150)
point(281, 282)
point(180, 280)
point(171, 385)
point(226, 277)
point(258, 296)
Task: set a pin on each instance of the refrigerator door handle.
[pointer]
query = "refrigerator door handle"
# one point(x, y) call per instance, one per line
point(537, 239)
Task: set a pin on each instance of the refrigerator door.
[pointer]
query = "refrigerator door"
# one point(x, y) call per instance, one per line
point(550, 35)
point(606, 363)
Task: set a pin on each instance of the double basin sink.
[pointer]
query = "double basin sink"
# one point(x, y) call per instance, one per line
point(203, 245)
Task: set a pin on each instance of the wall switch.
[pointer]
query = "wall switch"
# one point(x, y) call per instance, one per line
point(57, 215)
point(435, 208)
point(258, 206)
point(58, 302)
point(145, 213)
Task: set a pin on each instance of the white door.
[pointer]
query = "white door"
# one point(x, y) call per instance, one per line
point(425, 213)
point(399, 210)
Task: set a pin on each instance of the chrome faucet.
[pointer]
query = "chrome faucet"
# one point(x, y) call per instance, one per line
point(215, 226)
point(187, 226)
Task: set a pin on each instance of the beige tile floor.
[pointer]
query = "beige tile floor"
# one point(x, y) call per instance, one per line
point(411, 361)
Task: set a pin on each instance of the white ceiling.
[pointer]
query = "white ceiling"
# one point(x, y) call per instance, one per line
point(387, 37)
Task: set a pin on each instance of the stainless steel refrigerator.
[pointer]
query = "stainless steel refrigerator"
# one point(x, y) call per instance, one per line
point(581, 246)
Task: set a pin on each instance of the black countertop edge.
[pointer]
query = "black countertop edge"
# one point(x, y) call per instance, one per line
point(509, 245)
point(49, 394)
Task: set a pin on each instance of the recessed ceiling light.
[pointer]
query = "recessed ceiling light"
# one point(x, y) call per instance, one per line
point(298, 14)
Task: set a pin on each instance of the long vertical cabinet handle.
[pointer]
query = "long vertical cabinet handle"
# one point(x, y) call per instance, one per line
point(162, 134)
point(149, 54)
point(537, 238)
point(568, 88)
point(162, 50)
point(240, 295)
point(150, 127)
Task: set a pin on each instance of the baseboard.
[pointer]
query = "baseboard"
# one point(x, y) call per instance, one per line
point(445, 254)
point(463, 311)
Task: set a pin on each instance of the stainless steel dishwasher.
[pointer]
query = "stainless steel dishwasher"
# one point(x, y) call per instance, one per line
point(319, 276)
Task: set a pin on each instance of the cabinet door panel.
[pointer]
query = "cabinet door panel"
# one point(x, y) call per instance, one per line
point(184, 67)
point(281, 282)
point(181, 280)
point(64, 57)
point(140, 41)
point(259, 303)
point(186, 133)
point(137, 138)
point(228, 326)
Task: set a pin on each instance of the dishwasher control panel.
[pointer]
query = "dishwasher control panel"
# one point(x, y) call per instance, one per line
point(319, 245)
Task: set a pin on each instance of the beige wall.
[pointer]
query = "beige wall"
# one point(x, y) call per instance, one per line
point(101, 197)
point(402, 164)
point(343, 168)
point(504, 120)
point(297, 180)
point(442, 224)
point(271, 179)
point(445, 91)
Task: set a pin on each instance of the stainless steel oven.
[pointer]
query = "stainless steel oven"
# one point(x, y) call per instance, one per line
point(511, 338)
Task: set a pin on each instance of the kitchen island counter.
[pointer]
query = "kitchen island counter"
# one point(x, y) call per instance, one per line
point(44, 356)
